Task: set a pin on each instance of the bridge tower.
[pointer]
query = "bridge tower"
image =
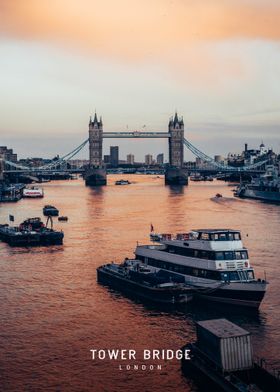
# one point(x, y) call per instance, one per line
point(176, 141)
point(96, 173)
point(174, 174)
point(95, 141)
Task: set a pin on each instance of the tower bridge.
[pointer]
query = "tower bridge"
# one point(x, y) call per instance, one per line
point(95, 173)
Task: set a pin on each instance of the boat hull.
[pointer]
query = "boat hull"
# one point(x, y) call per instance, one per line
point(154, 294)
point(244, 298)
point(208, 376)
point(32, 239)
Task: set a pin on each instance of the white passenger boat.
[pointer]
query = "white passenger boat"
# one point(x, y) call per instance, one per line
point(212, 261)
point(33, 192)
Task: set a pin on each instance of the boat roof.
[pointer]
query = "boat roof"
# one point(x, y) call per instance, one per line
point(222, 328)
point(216, 230)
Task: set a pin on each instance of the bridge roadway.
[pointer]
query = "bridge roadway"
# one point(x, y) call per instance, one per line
point(135, 134)
point(35, 172)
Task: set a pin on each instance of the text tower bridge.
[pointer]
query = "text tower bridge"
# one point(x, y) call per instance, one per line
point(96, 173)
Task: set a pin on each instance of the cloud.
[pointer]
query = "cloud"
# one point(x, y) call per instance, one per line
point(136, 29)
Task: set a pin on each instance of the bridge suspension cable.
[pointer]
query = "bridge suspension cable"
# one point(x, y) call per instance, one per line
point(50, 165)
point(211, 161)
point(65, 158)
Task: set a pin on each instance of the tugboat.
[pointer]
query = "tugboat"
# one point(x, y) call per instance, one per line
point(134, 277)
point(30, 232)
point(50, 211)
point(222, 360)
point(122, 182)
point(213, 262)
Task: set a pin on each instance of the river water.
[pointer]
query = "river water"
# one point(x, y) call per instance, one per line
point(53, 311)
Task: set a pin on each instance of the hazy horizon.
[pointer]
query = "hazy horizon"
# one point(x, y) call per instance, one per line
point(216, 62)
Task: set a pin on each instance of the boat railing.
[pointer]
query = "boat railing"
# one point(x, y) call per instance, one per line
point(264, 364)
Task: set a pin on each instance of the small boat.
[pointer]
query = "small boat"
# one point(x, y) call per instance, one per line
point(134, 277)
point(33, 192)
point(63, 218)
point(50, 211)
point(122, 182)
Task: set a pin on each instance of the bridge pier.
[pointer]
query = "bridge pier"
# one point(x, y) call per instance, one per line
point(95, 174)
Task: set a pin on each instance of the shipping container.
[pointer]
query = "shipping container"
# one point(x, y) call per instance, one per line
point(225, 343)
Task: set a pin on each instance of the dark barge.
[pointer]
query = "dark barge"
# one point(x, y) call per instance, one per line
point(133, 277)
point(222, 360)
point(31, 232)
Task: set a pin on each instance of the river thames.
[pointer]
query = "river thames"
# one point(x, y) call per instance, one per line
point(53, 312)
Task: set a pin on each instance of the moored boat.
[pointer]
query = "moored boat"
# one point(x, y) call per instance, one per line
point(30, 232)
point(212, 261)
point(266, 187)
point(134, 277)
point(222, 360)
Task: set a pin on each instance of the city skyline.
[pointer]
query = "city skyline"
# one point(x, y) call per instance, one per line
point(136, 63)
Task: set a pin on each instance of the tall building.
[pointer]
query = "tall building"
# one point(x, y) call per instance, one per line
point(8, 154)
point(114, 155)
point(130, 159)
point(148, 159)
point(160, 159)
point(107, 159)
point(219, 159)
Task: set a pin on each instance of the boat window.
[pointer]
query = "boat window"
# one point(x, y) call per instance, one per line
point(222, 237)
point(204, 236)
point(238, 255)
point(204, 254)
point(225, 276)
point(230, 237)
point(228, 255)
point(250, 275)
point(214, 237)
point(208, 274)
point(237, 236)
point(233, 275)
point(244, 254)
point(219, 255)
point(214, 275)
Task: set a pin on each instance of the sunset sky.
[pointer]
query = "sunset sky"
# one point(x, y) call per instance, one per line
point(215, 61)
